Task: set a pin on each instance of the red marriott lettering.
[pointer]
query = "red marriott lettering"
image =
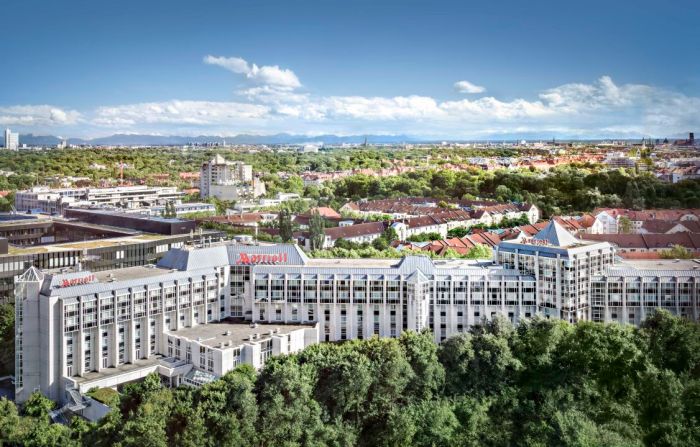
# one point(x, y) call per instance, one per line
point(77, 281)
point(248, 258)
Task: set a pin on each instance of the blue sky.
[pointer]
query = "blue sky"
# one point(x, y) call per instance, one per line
point(438, 69)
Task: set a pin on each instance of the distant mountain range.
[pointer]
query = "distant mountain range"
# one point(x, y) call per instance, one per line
point(285, 138)
point(176, 140)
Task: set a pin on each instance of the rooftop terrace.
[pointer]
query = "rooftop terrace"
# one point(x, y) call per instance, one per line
point(235, 332)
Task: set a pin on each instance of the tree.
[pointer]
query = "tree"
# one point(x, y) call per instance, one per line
point(317, 231)
point(672, 343)
point(38, 406)
point(284, 224)
point(10, 429)
point(436, 423)
point(625, 225)
point(428, 374)
point(169, 210)
point(380, 243)
point(479, 252)
point(503, 193)
point(390, 234)
point(7, 338)
point(677, 252)
point(633, 197)
point(288, 413)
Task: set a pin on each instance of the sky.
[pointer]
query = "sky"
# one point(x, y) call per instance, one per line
point(425, 69)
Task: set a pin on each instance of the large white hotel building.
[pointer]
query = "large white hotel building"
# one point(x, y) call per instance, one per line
point(200, 312)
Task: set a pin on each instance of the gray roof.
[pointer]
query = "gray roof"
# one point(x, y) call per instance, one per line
point(184, 259)
point(52, 285)
point(554, 234)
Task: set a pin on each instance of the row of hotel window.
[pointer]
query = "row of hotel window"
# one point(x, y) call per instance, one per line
point(343, 291)
point(104, 356)
point(136, 304)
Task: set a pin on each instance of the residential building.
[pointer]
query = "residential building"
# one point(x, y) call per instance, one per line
point(11, 140)
point(228, 180)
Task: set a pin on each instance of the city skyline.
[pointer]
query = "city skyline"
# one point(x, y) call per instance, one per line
point(455, 71)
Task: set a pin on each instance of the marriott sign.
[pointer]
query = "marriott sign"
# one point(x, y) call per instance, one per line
point(248, 258)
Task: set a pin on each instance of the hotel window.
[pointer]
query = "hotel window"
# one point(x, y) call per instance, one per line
point(277, 290)
point(359, 291)
point(443, 292)
point(87, 353)
point(310, 312)
point(154, 302)
point(265, 351)
point(105, 349)
point(360, 324)
point(293, 291)
point(185, 297)
point(152, 336)
point(169, 299)
point(71, 317)
point(121, 343)
point(198, 293)
point(477, 293)
point(137, 340)
point(295, 313)
point(123, 307)
point(343, 287)
point(326, 295)
point(343, 324)
point(392, 291)
point(69, 355)
point(261, 290)
point(310, 289)
point(376, 292)
point(278, 314)
point(139, 304)
point(236, 357)
point(460, 292)
point(89, 314)
point(210, 360)
point(376, 320)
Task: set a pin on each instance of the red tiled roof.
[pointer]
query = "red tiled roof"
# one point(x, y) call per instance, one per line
point(325, 211)
point(363, 229)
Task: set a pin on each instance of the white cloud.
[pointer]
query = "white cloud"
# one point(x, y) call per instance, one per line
point(37, 116)
point(270, 75)
point(468, 87)
point(192, 113)
point(598, 109)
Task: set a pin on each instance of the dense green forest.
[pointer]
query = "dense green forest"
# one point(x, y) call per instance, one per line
point(542, 383)
point(142, 162)
point(565, 189)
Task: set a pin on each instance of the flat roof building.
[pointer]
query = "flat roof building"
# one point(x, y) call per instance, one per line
point(139, 222)
point(57, 200)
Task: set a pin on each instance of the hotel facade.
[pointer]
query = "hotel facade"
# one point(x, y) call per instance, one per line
point(201, 312)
